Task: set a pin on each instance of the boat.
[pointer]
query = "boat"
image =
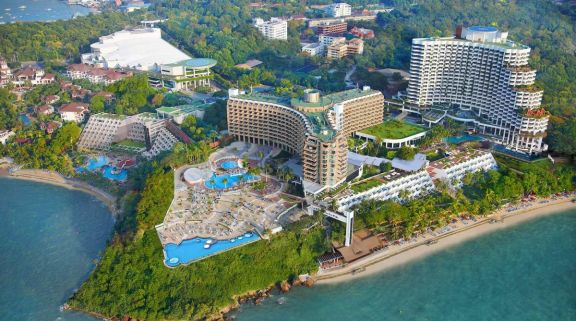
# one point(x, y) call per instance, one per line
point(209, 241)
point(206, 246)
point(281, 300)
point(248, 235)
point(232, 240)
point(240, 237)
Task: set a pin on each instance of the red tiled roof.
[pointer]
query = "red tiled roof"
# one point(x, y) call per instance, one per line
point(74, 108)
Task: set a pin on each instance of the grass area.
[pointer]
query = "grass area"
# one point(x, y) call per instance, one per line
point(393, 129)
point(131, 144)
point(366, 185)
point(370, 170)
point(522, 166)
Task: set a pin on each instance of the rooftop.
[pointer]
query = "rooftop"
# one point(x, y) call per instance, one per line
point(393, 129)
point(195, 63)
point(457, 157)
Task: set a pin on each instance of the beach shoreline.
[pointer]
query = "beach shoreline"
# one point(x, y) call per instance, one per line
point(54, 178)
point(376, 263)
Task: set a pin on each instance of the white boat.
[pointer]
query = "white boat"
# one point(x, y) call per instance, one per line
point(248, 235)
point(22, 7)
point(232, 240)
point(206, 246)
point(209, 241)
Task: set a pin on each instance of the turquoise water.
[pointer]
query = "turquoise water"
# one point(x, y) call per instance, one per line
point(38, 10)
point(527, 272)
point(193, 249)
point(108, 172)
point(49, 237)
point(229, 164)
point(461, 139)
point(217, 181)
point(97, 163)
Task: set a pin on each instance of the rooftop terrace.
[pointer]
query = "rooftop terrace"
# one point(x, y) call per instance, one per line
point(393, 129)
point(457, 157)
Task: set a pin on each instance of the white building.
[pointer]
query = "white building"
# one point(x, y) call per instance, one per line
point(105, 131)
point(454, 167)
point(74, 112)
point(482, 79)
point(141, 49)
point(389, 186)
point(340, 9)
point(327, 40)
point(5, 135)
point(274, 29)
point(184, 75)
point(314, 49)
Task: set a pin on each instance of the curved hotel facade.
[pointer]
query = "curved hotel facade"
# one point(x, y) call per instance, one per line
point(479, 77)
point(314, 127)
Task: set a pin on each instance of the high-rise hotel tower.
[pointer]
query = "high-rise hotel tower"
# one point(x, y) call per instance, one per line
point(480, 78)
point(315, 127)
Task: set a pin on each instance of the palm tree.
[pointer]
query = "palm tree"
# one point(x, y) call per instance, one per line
point(261, 156)
point(225, 182)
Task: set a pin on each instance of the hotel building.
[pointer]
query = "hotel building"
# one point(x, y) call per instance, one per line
point(388, 186)
point(340, 9)
point(274, 29)
point(314, 127)
point(332, 28)
point(452, 168)
point(105, 131)
point(140, 49)
point(480, 78)
point(184, 75)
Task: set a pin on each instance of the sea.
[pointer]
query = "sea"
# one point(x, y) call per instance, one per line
point(525, 272)
point(39, 10)
point(49, 239)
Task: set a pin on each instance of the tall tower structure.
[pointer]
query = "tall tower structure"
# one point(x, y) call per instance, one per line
point(481, 78)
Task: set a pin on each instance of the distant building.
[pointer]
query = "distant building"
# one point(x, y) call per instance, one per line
point(249, 64)
point(327, 40)
point(140, 49)
point(5, 135)
point(332, 28)
point(340, 9)
point(94, 74)
point(179, 113)
point(44, 110)
point(275, 28)
point(314, 49)
point(362, 33)
point(133, 5)
point(184, 75)
point(454, 167)
point(342, 48)
point(51, 99)
point(5, 72)
point(73, 112)
point(34, 75)
point(50, 126)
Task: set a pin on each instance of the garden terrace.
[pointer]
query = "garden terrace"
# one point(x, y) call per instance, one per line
point(393, 129)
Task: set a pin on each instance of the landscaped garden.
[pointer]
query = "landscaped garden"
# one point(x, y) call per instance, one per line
point(393, 129)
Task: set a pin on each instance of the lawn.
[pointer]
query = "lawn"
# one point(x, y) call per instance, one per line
point(366, 185)
point(393, 129)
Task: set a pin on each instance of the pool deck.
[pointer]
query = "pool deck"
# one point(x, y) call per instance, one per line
point(197, 211)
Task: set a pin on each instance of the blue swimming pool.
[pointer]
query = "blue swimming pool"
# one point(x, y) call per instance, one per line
point(96, 163)
point(119, 176)
point(228, 180)
point(463, 138)
point(193, 249)
point(229, 164)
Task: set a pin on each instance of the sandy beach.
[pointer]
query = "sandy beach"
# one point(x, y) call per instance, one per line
point(401, 254)
point(50, 177)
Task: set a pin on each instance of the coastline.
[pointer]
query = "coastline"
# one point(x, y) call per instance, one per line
point(401, 254)
point(54, 178)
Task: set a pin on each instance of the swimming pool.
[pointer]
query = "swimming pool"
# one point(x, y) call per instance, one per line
point(96, 163)
point(120, 176)
point(463, 138)
point(194, 249)
point(227, 180)
point(229, 164)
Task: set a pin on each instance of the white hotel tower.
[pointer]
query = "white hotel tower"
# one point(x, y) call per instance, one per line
point(480, 78)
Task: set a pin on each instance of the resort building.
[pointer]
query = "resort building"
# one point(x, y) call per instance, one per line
point(33, 75)
point(362, 33)
point(340, 9)
point(340, 48)
point(5, 72)
point(452, 168)
point(315, 127)
point(392, 185)
point(44, 110)
point(143, 133)
point(74, 112)
point(139, 49)
point(184, 75)
point(5, 135)
point(482, 79)
point(94, 74)
point(393, 134)
point(275, 28)
point(178, 113)
point(313, 49)
point(332, 28)
point(312, 23)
